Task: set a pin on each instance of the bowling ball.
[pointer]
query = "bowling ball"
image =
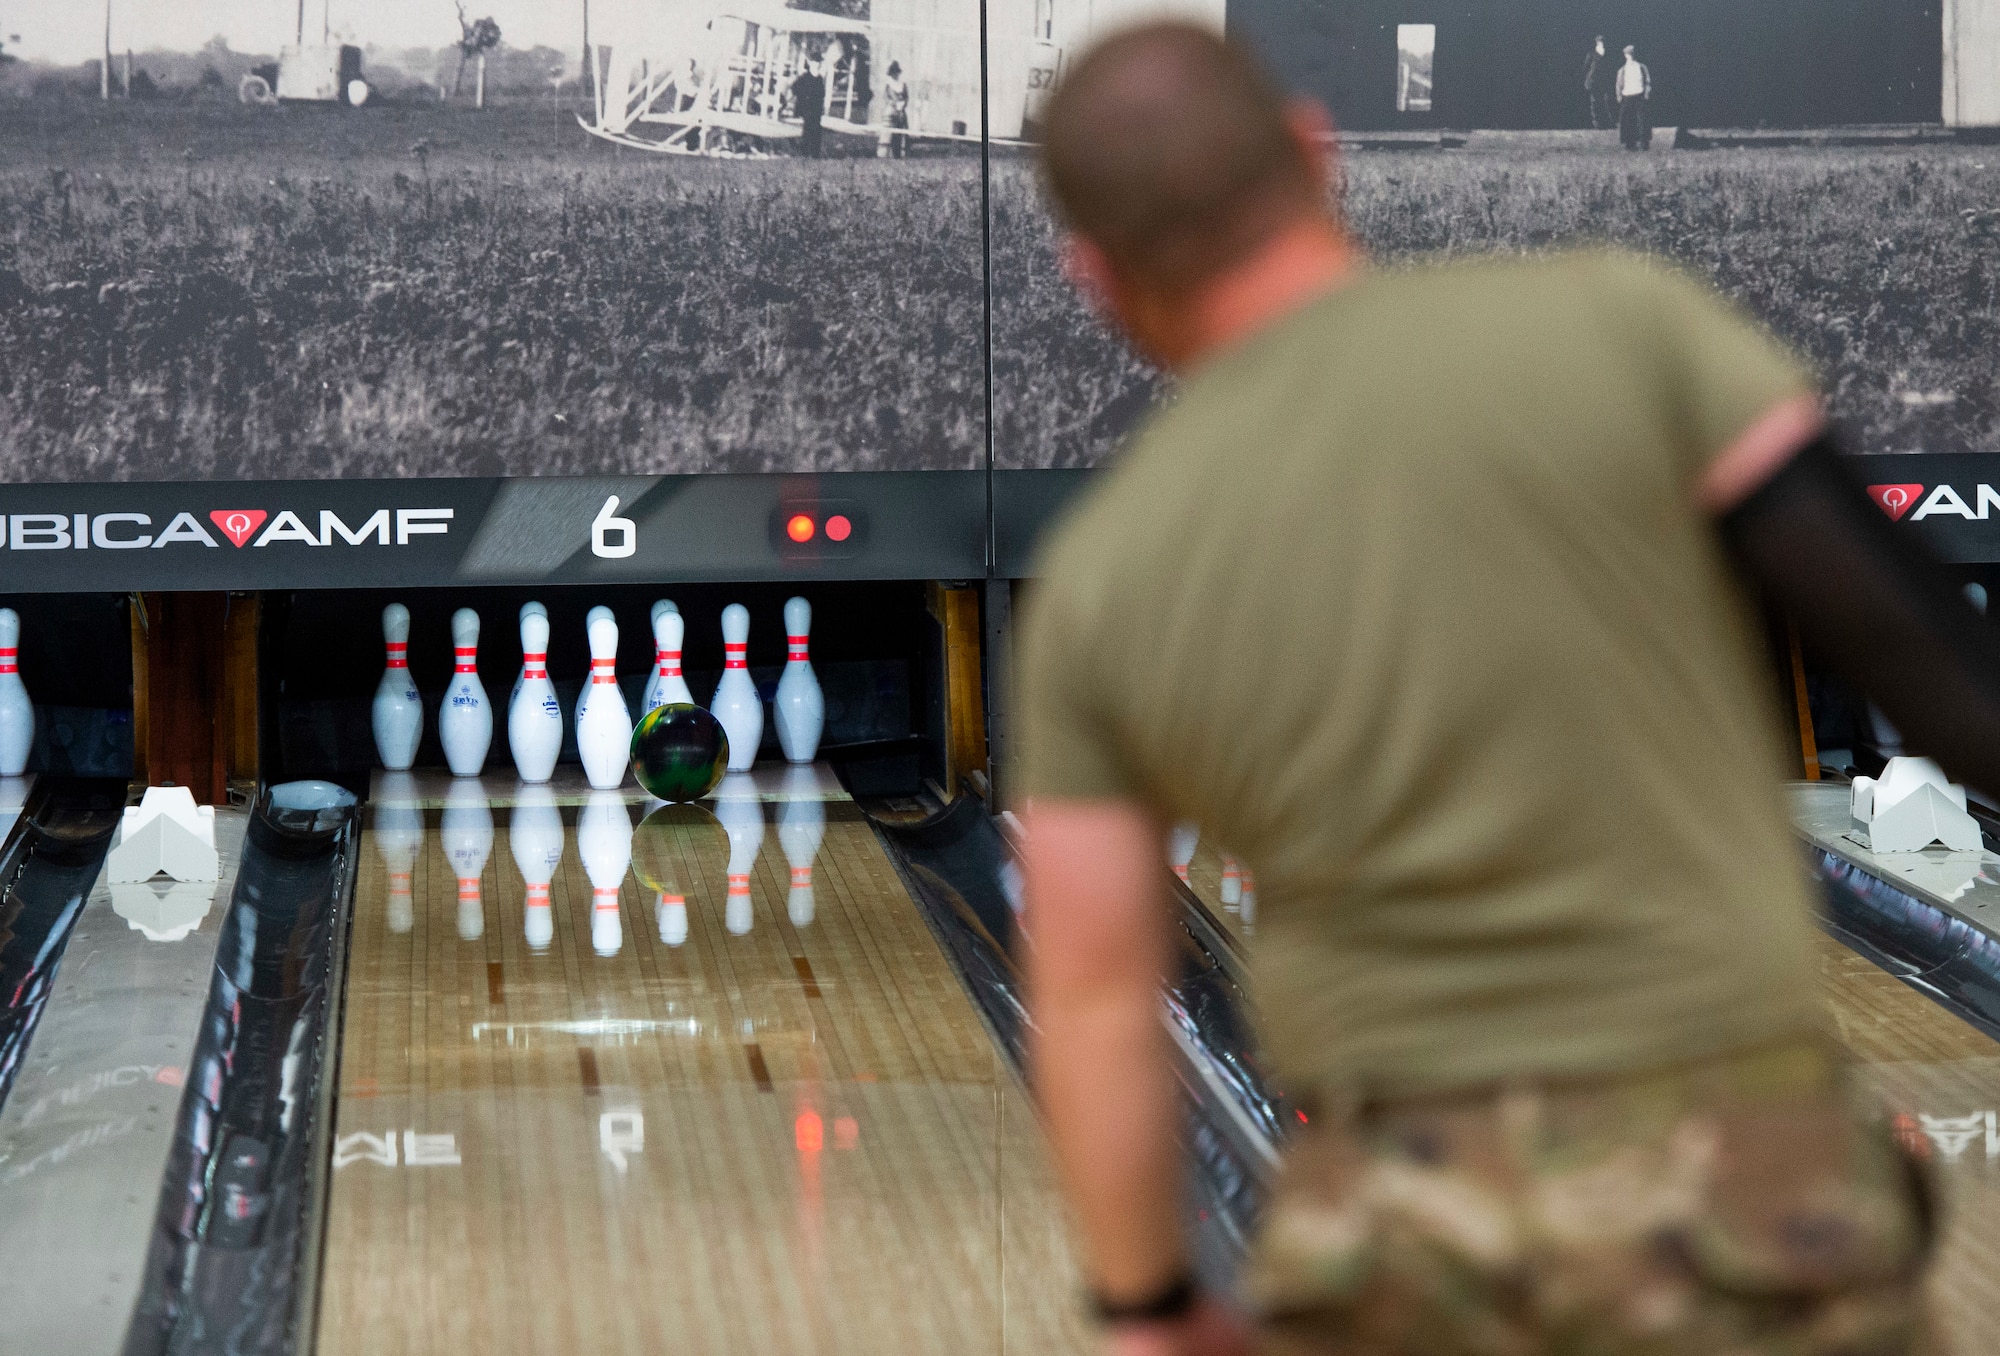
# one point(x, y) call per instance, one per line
point(679, 752)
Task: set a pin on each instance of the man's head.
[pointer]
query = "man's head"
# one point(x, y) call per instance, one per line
point(1599, 40)
point(1174, 160)
point(895, 69)
point(1628, 49)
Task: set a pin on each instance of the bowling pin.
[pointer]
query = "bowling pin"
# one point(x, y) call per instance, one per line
point(737, 705)
point(399, 711)
point(800, 708)
point(649, 699)
point(1232, 882)
point(1181, 841)
point(534, 717)
point(604, 842)
point(17, 713)
point(399, 835)
point(667, 685)
point(583, 694)
point(535, 835)
point(465, 721)
point(527, 610)
point(604, 730)
point(801, 827)
point(467, 835)
point(1246, 905)
point(741, 811)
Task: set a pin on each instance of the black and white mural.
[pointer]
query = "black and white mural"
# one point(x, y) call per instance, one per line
point(385, 238)
point(302, 239)
point(1831, 165)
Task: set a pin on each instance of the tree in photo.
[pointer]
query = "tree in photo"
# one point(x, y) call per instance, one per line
point(476, 37)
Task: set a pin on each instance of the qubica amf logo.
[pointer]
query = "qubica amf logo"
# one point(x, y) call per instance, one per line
point(238, 527)
point(1943, 501)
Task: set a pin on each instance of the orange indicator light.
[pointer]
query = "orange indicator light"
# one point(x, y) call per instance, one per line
point(800, 528)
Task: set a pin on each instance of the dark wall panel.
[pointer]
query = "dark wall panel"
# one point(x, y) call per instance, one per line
point(1519, 63)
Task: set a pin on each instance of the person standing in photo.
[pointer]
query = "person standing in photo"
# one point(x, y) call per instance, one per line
point(809, 103)
point(1599, 79)
point(1635, 94)
point(1453, 638)
point(896, 113)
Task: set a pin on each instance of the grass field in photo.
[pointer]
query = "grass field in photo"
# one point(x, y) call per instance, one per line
point(210, 291)
point(1881, 265)
point(192, 292)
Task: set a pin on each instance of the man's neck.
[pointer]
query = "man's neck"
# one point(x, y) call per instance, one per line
point(1296, 267)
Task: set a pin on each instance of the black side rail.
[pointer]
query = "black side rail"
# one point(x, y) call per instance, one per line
point(237, 1232)
point(956, 866)
point(47, 869)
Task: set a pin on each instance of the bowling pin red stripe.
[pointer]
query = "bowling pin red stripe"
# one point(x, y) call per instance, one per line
point(672, 899)
point(538, 664)
point(468, 888)
point(399, 882)
point(604, 897)
point(739, 885)
point(802, 875)
point(603, 670)
point(538, 894)
point(467, 659)
point(733, 656)
point(10, 661)
point(796, 646)
point(399, 654)
point(670, 663)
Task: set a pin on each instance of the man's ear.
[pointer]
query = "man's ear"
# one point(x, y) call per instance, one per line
point(1313, 133)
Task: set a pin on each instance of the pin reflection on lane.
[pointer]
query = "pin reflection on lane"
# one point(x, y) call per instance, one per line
point(672, 851)
point(801, 826)
point(604, 842)
point(467, 832)
point(399, 835)
point(741, 811)
point(535, 833)
point(669, 839)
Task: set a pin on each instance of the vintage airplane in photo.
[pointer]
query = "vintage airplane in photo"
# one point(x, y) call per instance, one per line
point(715, 79)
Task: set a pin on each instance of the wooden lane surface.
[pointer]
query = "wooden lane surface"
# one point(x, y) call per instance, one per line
point(796, 1140)
point(1941, 1078)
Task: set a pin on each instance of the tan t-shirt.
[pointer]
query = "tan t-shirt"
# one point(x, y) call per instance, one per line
point(1407, 602)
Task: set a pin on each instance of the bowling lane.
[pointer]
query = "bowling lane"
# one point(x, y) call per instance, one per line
point(782, 1128)
point(1941, 1078)
point(1219, 881)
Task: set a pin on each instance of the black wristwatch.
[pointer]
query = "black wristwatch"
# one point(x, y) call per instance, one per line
point(1173, 1300)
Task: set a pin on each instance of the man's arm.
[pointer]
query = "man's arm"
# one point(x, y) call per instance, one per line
point(1864, 594)
point(1097, 926)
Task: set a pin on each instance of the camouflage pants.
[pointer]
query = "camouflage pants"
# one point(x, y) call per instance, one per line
point(1740, 1207)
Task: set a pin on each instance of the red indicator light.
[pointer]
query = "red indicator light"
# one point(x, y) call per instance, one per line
point(799, 527)
point(838, 528)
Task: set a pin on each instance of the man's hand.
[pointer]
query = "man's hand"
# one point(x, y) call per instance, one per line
point(1210, 1330)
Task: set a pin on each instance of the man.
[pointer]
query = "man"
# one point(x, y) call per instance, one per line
point(1598, 74)
point(809, 102)
point(1635, 93)
point(1475, 690)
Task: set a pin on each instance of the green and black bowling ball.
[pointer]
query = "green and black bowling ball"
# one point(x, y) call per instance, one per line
point(679, 752)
